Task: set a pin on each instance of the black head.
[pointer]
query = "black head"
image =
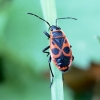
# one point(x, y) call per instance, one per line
point(54, 28)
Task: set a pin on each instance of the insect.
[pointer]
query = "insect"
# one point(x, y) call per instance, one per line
point(60, 49)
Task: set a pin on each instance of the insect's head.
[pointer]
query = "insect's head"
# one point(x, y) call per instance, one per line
point(54, 28)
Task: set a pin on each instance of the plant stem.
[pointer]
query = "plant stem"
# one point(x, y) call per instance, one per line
point(49, 12)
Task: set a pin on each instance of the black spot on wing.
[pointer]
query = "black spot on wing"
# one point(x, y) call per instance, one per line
point(66, 50)
point(55, 51)
point(59, 41)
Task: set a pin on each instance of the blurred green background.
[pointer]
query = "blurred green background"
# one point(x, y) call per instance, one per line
point(24, 72)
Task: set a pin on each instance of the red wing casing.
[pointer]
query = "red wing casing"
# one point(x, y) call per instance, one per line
point(60, 51)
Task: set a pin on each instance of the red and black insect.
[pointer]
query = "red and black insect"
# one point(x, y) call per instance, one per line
point(60, 49)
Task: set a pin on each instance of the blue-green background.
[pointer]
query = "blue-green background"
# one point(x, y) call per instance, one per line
point(22, 41)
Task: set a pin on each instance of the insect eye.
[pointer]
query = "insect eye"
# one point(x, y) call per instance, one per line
point(59, 27)
point(51, 29)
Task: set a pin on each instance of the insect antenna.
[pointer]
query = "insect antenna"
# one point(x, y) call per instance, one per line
point(39, 18)
point(65, 18)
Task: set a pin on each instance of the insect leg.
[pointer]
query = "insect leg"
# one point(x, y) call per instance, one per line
point(63, 76)
point(49, 61)
point(44, 50)
point(72, 58)
point(46, 34)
